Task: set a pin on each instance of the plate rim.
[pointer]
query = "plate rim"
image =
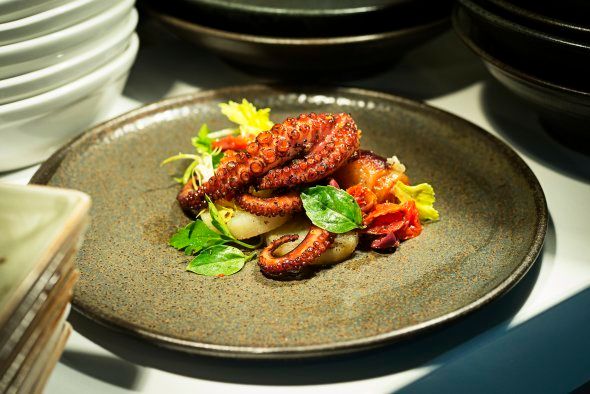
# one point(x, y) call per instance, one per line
point(48, 168)
point(315, 41)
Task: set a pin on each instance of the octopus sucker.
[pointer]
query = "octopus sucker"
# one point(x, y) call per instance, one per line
point(283, 205)
point(316, 242)
point(324, 142)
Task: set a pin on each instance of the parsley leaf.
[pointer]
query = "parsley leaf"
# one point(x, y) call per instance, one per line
point(331, 209)
point(219, 260)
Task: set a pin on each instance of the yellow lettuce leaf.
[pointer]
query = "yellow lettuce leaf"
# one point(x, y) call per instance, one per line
point(422, 195)
point(251, 121)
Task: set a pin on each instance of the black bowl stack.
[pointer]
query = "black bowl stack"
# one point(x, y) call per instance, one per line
point(304, 38)
point(540, 50)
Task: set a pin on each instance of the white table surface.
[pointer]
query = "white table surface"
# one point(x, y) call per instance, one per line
point(536, 338)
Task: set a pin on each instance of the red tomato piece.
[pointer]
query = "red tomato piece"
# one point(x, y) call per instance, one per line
point(392, 223)
point(364, 197)
point(230, 142)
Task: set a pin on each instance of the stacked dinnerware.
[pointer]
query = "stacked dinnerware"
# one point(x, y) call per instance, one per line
point(304, 38)
point(41, 229)
point(540, 50)
point(61, 64)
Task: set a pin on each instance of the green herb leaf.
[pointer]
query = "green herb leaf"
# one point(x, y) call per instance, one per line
point(195, 237)
point(180, 156)
point(216, 158)
point(220, 224)
point(202, 142)
point(331, 209)
point(216, 219)
point(219, 260)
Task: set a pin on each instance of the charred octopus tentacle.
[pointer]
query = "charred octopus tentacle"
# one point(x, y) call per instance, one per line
point(313, 245)
point(321, 143)
point(283, 205)
point(326, 157)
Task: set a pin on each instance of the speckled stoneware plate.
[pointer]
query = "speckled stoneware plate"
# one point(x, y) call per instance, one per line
point(493, 222)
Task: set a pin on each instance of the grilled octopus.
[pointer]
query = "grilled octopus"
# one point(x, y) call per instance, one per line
point(298, 151)
point(313, 245)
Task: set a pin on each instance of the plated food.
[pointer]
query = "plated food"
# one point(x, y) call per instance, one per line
point(303, 184)
point(489, 235)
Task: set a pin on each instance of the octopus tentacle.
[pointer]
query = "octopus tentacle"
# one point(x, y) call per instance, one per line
point(286, 204)
point(313, 245)
point(284, 142)
point(323, 160)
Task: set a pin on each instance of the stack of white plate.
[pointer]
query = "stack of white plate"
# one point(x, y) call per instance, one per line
point(61, 64)
point(41, 229)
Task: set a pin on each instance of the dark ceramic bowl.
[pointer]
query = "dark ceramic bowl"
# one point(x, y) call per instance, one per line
point(305, 18)
point(548, 57)
point(563, 110)
point(310, 58)
point(573, 12)
point(548, 23)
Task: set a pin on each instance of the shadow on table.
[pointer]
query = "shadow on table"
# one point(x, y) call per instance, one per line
point(167, 66)
point(397, 357)
point(118, 372)
point(560, 365)
point(516, 121)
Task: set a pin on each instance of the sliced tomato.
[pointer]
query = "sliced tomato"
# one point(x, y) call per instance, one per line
point(391, 223)
point(364, 197)
point(384, 218)
point(413, 219)
point(230, 142)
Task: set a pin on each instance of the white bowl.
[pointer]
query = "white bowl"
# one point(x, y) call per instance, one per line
point(36, 53)
point(16, 9)
point(37, 82)
point(51, 20)
point(33, 128)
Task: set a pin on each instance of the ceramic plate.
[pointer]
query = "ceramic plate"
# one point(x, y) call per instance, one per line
point(493, 222)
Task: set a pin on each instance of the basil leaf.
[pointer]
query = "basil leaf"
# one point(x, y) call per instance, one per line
point(331, 209)
point(194, 237)
point(216, 219)
point(181, 239)
point(219, 260)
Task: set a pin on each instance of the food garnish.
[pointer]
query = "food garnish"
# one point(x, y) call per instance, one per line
point(422, 195)
point(303, 186)
point(332, 209)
